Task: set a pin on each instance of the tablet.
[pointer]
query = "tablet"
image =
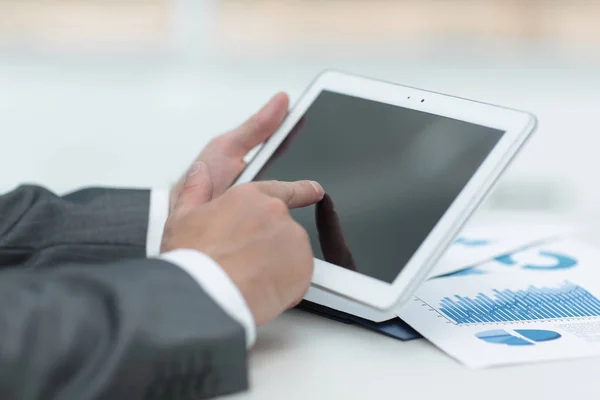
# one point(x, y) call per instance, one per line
point(402, 168)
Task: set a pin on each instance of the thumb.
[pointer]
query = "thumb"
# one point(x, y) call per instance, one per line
point(197, 188)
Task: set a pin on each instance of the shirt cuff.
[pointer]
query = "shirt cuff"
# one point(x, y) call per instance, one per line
point(217, 284)
point(159, 211)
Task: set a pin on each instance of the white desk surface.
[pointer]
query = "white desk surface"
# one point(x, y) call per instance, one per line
point(304, 356)
point(74, 126)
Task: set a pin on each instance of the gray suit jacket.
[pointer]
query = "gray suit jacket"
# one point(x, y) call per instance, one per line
point(83, 315)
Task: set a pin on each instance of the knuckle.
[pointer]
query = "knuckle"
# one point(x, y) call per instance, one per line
point(276, 207)
point(288, 192)
point(284, 190)
point(220, 142)
point(302, 236)
point(300, 233)
point(246, 190)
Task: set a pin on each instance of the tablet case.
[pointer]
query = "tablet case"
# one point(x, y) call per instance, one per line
point(394, 328)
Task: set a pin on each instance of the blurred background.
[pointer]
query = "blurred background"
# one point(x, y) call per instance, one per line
point(126, 92)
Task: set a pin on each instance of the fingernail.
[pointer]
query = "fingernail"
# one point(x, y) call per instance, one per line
point(318, 189)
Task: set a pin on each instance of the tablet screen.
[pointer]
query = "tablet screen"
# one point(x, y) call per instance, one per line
point(389, 173)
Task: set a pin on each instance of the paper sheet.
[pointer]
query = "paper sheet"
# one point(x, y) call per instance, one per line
point(554, 255)
point(483, 243)
point(537, 305)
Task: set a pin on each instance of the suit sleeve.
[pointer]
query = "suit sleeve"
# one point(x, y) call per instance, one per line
point(76, 325)
point(39, 228)
point(138, 329)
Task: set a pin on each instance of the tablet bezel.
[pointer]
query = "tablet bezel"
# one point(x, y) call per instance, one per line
point(517, 126)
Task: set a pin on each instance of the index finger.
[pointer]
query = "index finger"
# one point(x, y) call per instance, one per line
point(294, 194)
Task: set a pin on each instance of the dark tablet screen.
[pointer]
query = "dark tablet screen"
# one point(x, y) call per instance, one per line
point(389, 173)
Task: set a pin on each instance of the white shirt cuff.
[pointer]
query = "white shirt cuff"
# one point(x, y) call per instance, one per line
point(159, 212)
point(217, 284)
point(206, 272)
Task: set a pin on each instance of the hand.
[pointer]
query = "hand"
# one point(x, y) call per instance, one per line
point(222, 160)
point(249, 232)
point(331, 237)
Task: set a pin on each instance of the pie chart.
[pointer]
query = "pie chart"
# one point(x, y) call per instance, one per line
point(518, 337)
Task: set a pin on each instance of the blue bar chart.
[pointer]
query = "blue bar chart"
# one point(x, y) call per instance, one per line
point(567, 300)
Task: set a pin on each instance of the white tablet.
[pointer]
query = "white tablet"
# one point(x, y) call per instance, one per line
point(402, 168)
